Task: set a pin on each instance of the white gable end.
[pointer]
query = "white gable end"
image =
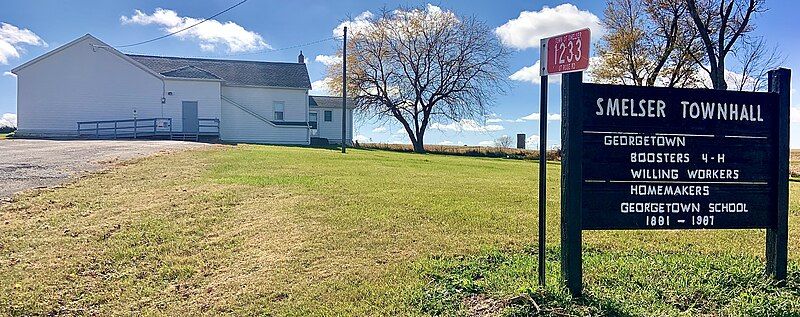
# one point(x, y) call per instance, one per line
point(81, 81)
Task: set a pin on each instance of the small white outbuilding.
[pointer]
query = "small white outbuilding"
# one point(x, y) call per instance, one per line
point(87, 88)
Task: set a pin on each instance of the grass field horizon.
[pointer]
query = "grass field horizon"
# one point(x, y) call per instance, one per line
point(294, 231)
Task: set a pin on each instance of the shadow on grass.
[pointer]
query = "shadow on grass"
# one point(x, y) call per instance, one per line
point(615, 284)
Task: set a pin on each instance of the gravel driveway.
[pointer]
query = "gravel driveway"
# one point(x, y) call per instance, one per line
point(28, 164)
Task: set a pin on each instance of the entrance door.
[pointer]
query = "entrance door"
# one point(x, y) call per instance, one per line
point(190, 122)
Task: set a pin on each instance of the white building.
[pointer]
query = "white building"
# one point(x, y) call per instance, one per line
point(113, 94)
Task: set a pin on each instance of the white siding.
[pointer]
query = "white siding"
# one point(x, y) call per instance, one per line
point(333, 130)
point(85, 83)
point(205, 93)
point(260, 100)
point(239, 126)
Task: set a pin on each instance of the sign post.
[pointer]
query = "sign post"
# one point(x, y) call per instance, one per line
point(559, 54)
point(667, 158)
point(778, 234)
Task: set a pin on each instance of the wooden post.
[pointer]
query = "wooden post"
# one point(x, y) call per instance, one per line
point(542, 178)
point(344, 92)
point(778, 234)
point(571, 182)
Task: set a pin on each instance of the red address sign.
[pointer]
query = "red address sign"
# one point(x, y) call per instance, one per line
point(565, 53)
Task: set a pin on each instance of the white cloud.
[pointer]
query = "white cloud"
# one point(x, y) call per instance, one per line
point(321, 87)
point(531, 74)
point(361, 138)
point(734, 79)
point(211, 34)
point(496, 118)
point(535, 117)
point(12, 38)
point(532, 142)
point(486, 143)
point(531, 26)
point(468, 125)
point(9, 74)
point(8, 120)
point(328, 60)
point(364, 20)
point(379, 130)
point(356, 25)
point(446, 142)
point(400, 131)
point(794, 114)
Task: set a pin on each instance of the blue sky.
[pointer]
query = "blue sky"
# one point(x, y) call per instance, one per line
point(37, 26)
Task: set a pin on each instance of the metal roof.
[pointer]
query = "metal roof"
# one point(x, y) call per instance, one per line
point(232, 72)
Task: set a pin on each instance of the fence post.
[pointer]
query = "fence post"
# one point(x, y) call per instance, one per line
point(135, 127)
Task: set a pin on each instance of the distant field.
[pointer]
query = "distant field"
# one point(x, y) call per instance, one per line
point(794, 163)
point(268, 230)
point(465, 150)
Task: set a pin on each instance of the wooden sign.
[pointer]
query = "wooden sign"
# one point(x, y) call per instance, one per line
point(660, 158)
point(565, 53)
point(666, 158)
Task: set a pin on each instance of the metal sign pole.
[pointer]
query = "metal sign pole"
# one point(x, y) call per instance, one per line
point(542, 177)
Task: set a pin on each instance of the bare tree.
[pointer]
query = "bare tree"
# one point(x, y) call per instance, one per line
point(649, 43)
point(755, 59)
point(420, 66)
point(720, 24)
point(503, 142)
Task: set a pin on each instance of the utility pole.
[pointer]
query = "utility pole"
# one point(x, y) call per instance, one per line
point(344, 92)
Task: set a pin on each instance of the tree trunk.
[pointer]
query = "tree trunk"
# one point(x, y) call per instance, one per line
point(718, 76)
point(418, 146)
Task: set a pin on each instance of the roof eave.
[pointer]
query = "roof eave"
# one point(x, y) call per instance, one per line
point(260, 86)
point(194, 79)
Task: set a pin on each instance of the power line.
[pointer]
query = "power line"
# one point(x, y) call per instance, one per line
point(270, 50)
point(186, 28)
point(251, 53)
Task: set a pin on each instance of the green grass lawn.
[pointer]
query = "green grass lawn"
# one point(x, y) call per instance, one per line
point(267, 230)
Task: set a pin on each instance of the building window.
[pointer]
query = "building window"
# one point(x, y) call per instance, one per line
point(312, 117)
point(278, 108)
point(328, 116)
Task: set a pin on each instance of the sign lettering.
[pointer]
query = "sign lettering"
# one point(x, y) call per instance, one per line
point(565, 53)
point(659, 158)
